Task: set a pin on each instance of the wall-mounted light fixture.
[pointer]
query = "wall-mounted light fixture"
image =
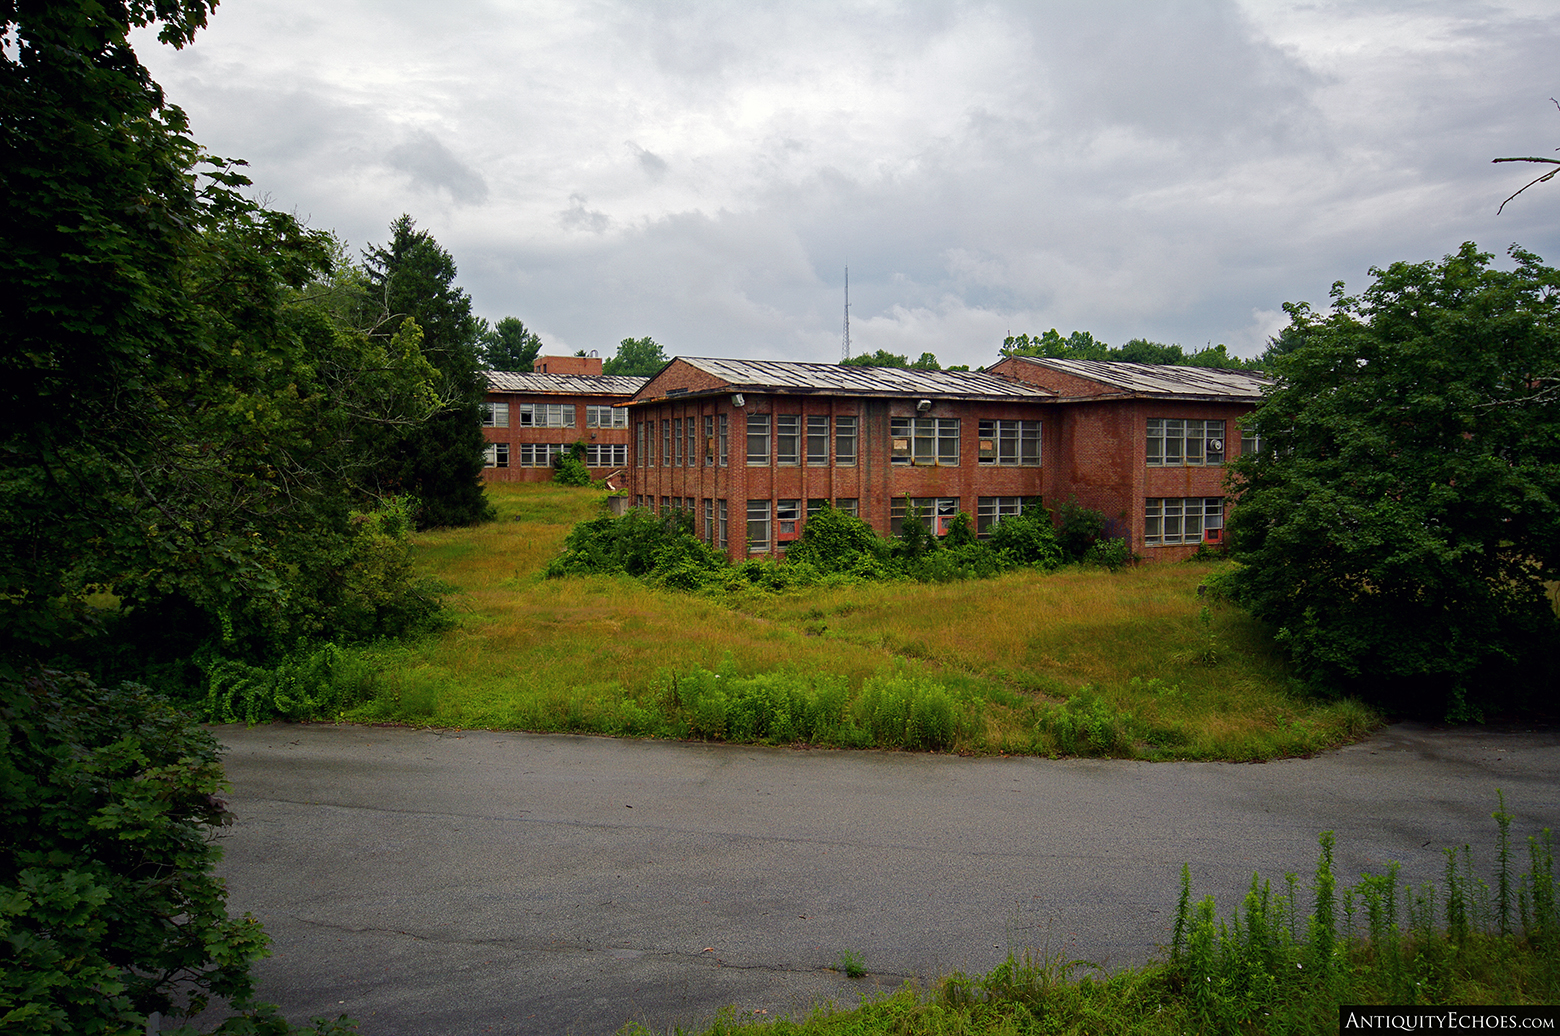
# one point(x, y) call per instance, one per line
point(737, 400)
point(924, 405)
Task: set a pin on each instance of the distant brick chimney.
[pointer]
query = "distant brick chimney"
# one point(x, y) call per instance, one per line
point(584, 366)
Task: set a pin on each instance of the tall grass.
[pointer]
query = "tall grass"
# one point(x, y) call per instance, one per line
point(1077, 662)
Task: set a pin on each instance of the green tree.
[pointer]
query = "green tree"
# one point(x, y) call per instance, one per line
point(509, 346)
point(1080, 345)
point(1403, 517)
point(440, 462)
point(636, 358)
point(881, 358)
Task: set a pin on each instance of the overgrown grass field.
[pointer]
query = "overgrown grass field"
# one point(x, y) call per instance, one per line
point(1079, 661)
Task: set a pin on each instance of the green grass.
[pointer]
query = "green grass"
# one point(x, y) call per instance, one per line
point(1078, 662)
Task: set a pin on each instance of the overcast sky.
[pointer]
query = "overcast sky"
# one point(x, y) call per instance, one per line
point(704, 172)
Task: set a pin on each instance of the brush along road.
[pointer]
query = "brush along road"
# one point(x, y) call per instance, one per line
point(463, 882)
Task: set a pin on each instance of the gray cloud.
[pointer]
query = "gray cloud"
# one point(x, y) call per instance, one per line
point(433, 167)
point(1170, 171)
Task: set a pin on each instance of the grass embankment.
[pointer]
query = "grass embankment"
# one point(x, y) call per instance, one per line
point(1081, 661)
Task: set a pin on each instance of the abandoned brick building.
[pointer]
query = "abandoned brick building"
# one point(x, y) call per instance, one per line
point(753, 447)
point(528, 419)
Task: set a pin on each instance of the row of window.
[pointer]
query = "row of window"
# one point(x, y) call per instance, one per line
point(541, 454)
point(771, 524)
point(552, 415)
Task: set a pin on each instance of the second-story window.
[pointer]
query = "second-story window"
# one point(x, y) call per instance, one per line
point(925, 440)
point(758, 440)
point(788, 435)
point(845, 440)
point(1176, 442)
point(817, 441)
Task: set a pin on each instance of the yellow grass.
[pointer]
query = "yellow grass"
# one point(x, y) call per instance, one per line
point(529, 649)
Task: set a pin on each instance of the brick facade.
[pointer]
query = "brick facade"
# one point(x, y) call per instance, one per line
point(531, 417)
point(689, 431)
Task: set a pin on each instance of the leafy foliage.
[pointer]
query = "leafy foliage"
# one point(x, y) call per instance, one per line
point(1401, 522)
point(440, 461)
point(1081, 345)
point(636, 357)
point(569, 466)
point(109, 907)
point(509, 346)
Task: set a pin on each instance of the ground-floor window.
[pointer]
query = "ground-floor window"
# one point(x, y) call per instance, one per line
point(758, 526)
point(1171, 520)
point(607, 455)
point(496, 455)
point(992, 509)
point(936, 511)
point(788, 515)
point(540, 454)
point(720, 529)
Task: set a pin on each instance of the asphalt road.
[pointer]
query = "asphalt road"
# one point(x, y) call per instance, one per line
point(468, 882)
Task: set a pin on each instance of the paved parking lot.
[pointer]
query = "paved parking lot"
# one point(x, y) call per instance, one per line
point(466, 882)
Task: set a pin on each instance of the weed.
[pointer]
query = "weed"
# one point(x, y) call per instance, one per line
point(850, 962)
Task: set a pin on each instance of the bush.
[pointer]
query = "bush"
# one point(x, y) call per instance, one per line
point(380, 594)
point(569, 467)
point(1112, 554)
point(1080, 527)
point(1027, 539)
point(312, 683)
point(833, 541)
point(109, 908)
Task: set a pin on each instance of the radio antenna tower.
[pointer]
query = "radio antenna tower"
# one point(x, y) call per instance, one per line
point(846, 346)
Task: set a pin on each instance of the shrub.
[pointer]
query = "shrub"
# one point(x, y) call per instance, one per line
point(1080, 527)
point(1112, 554)
point(1027, 539)
point(834, 541)
point(569, 466)
point(109, 908)
point(311, 683)
point(381, 596)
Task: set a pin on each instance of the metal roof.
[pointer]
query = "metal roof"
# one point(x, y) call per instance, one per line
point(764, 376)
point(1161, 380)
point(564, 384)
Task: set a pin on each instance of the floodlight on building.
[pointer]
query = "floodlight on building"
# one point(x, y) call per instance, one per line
point(737, 400)
point(924, 405)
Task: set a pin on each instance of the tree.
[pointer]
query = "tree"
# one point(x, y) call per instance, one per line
point(881, 358)
point(636, 358)
point(1399, 524)
point(509, 346)
point(440, 463)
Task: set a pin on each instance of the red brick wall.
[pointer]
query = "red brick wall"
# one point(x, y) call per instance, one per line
point(873, 481)
point(581, 366)
point(514, 435)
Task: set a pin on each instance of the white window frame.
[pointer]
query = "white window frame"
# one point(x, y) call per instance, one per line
point(925, 441)
point(495, 415)
point(1185, 442)
point(546, 415)
point(1014, 444)
point(605, 416)
point(758, 526)
point(1177, 521)
point(758, 428)
point(496, 455)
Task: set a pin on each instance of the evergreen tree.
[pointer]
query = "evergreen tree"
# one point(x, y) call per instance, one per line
point(509, 346)
point(439, 462)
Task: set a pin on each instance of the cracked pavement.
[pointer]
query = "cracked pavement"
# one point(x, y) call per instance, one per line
point(435, 881)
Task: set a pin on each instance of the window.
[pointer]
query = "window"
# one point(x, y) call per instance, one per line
point(758, 525)
point(495, 415)
point(1172, 520)
point(1173, 442)
point(925, 440)
point(546, 415)
point(845, 440)
point(639, 454)
point(539, 454)
point(814, 506)
point(693, 442)
point(606, 455)
point(666, 505)
point(666, 444)
point(605, 417)
point(496, 455)
point(677, 442)
point(936, 511)
point(992, 509)
point(724, 440)
point(758, 440)
point(1010, 443)
point(1250, 440)
point(720, 508)
point(788, 515)
point(709, 441)
point(788, 435)
point(709, 519)
point(848, 505)
point(688, 503)
point(817, 441)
